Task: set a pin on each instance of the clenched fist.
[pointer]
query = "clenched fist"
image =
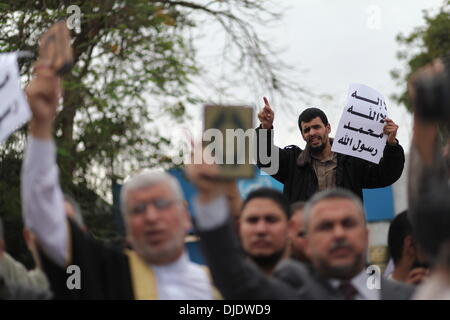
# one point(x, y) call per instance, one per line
point(43, 94)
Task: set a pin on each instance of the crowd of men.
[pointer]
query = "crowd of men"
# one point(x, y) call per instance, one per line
point(308, 242)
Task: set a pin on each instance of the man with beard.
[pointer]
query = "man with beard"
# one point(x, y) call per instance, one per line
point(337, 238)
point(154, 211)
point(317, 168)
point(337, 241)
point(264, 228)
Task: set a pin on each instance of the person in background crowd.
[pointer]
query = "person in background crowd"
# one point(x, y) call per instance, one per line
point(317, 168)
point(15, 281)
point(154, 211)
point(409, 263)
point(337, 238)
point(298, 241)
point(264, 228)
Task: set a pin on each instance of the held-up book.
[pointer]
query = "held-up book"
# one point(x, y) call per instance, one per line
point(55, 48)
point(226, 136)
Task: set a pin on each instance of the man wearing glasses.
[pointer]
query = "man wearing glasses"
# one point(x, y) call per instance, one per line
point(154, 211)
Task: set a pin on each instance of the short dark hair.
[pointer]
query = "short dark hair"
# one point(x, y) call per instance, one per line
point(299, 205)
point(334, 193)
point(272, 194)
point(311, 113)
point(399, 229)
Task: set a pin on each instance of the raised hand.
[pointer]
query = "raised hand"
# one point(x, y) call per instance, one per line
point(266, 115)
point(206, 177)
point(43, 94)
point(390, 128)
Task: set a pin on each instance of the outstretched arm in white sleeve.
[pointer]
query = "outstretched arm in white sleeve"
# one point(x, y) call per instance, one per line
point(42, 199)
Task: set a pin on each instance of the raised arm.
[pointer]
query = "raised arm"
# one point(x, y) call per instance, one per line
point(235, 276)
point(273, 160)
point(42, 199)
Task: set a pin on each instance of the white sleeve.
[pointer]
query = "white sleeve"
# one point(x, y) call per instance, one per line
point(212, 215)
point(42, 199)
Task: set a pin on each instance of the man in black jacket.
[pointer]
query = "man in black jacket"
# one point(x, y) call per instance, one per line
point(337, 240)
point(317, 168)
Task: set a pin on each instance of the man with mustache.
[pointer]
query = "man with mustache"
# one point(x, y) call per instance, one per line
point(154, 211)
point(337, 242)
point(317, 168)
point(264, 228)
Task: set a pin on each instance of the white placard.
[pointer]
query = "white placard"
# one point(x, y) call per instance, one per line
point(14, 109)
point(360, 130)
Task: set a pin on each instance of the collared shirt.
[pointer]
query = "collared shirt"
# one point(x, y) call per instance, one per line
point(182, 280)
point(44, 214)
point(214, 215)
point(325, 171)
point(359, 282)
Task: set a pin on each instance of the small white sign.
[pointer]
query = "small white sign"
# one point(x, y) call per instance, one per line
point(360, 130)
point(14, 109)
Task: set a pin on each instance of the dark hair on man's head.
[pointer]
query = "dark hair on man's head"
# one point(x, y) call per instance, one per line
point(311, 113)
point(272, 194)
point(327, 194)
point(299, 205)
point(399, 228)
point(430, 219)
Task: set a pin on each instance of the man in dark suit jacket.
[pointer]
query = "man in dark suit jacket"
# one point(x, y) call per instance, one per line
point(337, 245)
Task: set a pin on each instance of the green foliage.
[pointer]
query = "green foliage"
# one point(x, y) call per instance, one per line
point(10, 207)
point(130, 58)
point(126, 52)
point(422, 46)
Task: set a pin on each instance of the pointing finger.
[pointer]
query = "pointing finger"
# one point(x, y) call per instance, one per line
point(266, 103)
